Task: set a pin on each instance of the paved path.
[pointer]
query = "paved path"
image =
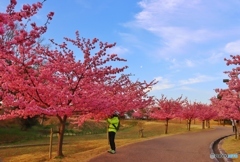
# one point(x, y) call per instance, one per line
point(188, 147)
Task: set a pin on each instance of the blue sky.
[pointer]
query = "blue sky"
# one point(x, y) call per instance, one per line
point(181, 43)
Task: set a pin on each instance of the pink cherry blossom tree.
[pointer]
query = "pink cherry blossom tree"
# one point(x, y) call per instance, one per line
point(189, 112)
point(205, 114)
point(167, 109)
point(144, 112)
point(38, 80)
point(227, 105)
point(229, 98)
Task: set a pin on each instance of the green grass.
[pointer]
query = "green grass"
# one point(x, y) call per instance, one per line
point(91, 142)
point(15, 135)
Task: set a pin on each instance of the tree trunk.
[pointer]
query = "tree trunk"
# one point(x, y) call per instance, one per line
point(166, 126)
point(208, 121)
point(42, 119)
point(189, 124)
point(203, 124)
point(236, 130)
point(61, 135)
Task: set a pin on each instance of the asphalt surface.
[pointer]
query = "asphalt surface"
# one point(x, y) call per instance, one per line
point(188, 147)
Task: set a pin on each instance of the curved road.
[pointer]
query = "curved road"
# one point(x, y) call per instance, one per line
point(188, 147)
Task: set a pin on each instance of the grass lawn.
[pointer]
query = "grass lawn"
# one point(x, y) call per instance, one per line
point(85, 146)
point(232, 146)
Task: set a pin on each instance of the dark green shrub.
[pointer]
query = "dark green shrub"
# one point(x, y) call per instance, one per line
point(28, 122)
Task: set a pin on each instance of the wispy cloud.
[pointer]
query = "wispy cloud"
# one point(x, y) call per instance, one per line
point(216, 57)
point(182, 24)
point(175, 63)
point(197, 79)
point(233, 47)
point(167, 19)
point(118, 50)
point(162, 84)
point(131, 38)
point(185, 88)
point(181, 86)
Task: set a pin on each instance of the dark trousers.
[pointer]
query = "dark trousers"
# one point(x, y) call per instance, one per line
point(111, 138)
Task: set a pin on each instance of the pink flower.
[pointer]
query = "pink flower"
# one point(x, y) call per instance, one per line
point(1, 31)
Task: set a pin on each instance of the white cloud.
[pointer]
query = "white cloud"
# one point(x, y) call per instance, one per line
point(155, 18)
point(182, 24)
point(130, 38)
point(162, 84)
point(118, 50)
point(186, 88)
point(176, 64)
point(216, 57)
point(233, 47)
point(197, 79)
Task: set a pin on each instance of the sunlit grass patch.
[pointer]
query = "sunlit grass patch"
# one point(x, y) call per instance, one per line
point(232, 146)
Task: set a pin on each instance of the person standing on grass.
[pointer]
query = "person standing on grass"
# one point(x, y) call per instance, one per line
point(113, 124)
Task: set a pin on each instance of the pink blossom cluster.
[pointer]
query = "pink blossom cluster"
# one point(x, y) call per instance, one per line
point(37, 79)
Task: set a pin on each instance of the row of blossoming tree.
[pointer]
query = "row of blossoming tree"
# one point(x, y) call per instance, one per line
point(49, 80)
point(180, 108)
point(225, 105)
